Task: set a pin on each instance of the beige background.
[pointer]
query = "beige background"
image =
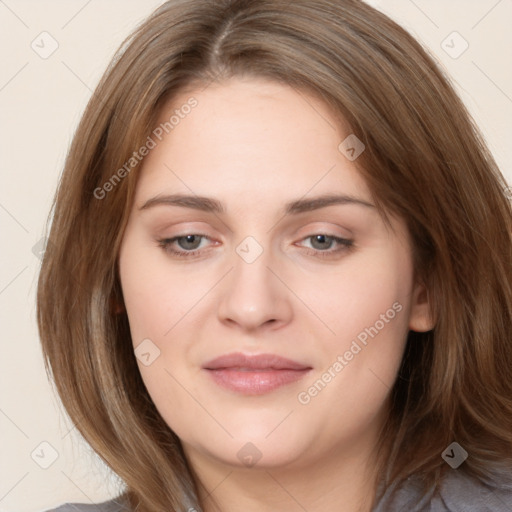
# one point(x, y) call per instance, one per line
point(41, 100)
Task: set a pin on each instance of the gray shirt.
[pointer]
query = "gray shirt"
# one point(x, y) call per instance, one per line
point(458, 493)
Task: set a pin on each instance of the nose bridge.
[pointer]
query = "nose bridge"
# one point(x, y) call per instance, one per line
point(252, 279)
point(253, 295)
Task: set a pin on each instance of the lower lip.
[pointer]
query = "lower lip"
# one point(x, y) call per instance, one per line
point(256, 382)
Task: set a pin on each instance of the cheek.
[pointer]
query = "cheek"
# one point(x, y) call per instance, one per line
point(157, 302)
point(366, 305)
point(353, 297)
point(156, 296)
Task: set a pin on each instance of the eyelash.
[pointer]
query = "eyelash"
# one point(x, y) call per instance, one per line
point(345, 244)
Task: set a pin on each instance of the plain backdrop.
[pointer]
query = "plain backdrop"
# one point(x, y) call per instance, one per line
point(44, 461)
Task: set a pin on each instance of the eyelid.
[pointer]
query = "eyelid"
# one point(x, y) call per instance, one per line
point(319, 227)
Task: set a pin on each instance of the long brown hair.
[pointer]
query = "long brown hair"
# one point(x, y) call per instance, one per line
point(425, 161)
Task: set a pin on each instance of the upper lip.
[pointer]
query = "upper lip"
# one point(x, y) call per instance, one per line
point(257, 362)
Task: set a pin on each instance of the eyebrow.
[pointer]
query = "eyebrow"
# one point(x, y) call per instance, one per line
point(209, 204)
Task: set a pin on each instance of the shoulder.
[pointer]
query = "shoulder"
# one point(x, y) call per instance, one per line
point(457, 492)
point(115, 505)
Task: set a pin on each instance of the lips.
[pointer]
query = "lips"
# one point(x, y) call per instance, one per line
point(253, 362)
point(254, 374)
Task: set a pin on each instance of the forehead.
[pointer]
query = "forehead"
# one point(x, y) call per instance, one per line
point(251, 137)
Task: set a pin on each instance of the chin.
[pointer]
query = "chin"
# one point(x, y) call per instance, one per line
point(255, 447)
point(258, 454)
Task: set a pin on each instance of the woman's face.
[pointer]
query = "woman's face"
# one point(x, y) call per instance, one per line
point(264, 267)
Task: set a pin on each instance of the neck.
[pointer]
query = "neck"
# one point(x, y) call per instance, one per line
point(341, 481)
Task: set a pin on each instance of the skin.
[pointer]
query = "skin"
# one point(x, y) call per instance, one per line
point(255, 145)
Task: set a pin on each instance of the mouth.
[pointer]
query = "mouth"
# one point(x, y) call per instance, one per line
point(254, 374)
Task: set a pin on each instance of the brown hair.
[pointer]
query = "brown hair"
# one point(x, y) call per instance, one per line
point(424, 161)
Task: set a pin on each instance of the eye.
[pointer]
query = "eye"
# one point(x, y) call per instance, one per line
point(189, 245)
point(323, 243)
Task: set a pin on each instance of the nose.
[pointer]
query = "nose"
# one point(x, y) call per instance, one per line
point(253, 297)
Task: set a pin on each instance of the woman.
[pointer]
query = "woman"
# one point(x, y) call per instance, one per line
point(279, 275)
